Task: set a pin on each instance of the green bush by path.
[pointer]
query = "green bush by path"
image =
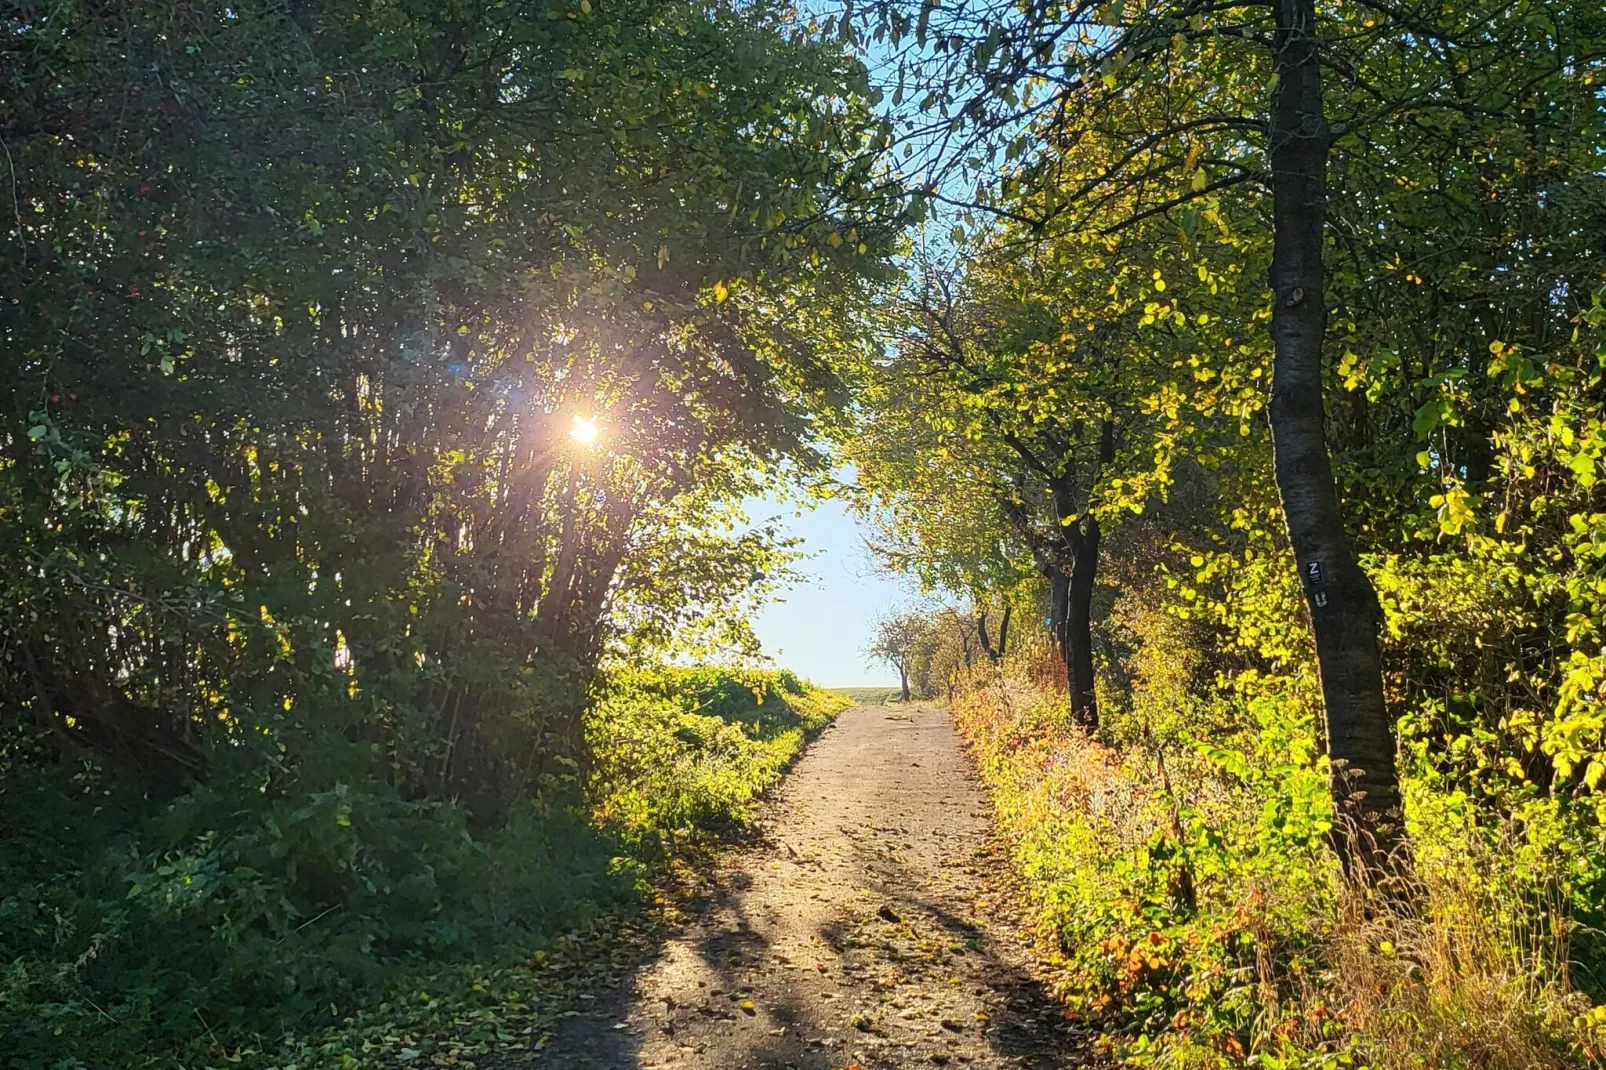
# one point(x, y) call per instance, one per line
point(1182, 886)
point(236, 923)
point(684, 751)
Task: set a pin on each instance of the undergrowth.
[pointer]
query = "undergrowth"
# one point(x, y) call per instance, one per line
point(1181, 881)
point(342, 924)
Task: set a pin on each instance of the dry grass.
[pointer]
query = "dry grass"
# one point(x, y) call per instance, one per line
point(1467, 969)
point(1458, 972)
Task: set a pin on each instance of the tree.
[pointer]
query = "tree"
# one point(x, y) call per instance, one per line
point(995, 653)
point(1127, 114)
point(897, 639)
point(1044, 379)
point(320, 294)
point(1344, 610)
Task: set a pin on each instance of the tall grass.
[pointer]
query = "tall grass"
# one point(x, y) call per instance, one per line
point(1183, 885)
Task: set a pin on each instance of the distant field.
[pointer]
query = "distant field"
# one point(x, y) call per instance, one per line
point(867, 696)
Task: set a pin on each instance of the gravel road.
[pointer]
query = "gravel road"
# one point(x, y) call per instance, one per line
point(866, 926)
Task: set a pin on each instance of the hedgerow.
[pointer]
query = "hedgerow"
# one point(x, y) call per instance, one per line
point(1179, 873)
point(340, 921)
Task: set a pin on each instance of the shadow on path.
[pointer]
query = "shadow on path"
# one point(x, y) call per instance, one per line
point(868, 926)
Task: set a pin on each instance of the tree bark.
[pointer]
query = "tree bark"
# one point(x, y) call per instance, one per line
point(1079, 624)
point(1068, 559)
point(1343, 607)
point(981, 634)
point(1059, 585)
point(1083, 542)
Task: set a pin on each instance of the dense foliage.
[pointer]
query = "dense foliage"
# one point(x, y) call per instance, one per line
point(382, 381)
point(1098, 408)
point(222, 925)
point(384, 378)
point(304, 304)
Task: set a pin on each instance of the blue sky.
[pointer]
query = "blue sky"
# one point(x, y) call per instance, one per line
point(819, 629)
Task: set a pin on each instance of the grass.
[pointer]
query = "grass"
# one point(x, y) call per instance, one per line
point(172, 943)
point(867, 696)
point(1193, 912)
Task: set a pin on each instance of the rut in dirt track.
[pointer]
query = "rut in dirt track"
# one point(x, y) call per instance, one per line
point(866, 927)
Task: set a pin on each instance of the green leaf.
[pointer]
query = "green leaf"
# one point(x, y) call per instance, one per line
point(1428, 417)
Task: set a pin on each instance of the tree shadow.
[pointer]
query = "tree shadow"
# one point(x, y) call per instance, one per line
point(720, 933)
point(1026, 1026)
point(910, 975)
point(1031, 1028)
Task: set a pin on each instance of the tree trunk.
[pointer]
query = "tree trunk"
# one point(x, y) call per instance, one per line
point(1070, 620)
point(981, 634)
point(903, 682)
point(1079, 624)
point(1059, 585)
point(1082, 542)
point(1343, 607)
point(1003, 632)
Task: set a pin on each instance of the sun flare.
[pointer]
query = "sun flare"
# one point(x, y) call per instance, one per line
point(584, 430)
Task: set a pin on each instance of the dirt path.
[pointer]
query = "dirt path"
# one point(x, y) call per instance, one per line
point(864, 928)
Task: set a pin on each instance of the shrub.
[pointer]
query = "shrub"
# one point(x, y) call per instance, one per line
point(233, 919)
point(1182, 884)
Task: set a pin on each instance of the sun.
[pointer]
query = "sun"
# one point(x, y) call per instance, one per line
point(584, 430)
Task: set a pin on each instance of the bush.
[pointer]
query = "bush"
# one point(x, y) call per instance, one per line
point(230, 919)
point(1183, 885)
point(685, 751)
